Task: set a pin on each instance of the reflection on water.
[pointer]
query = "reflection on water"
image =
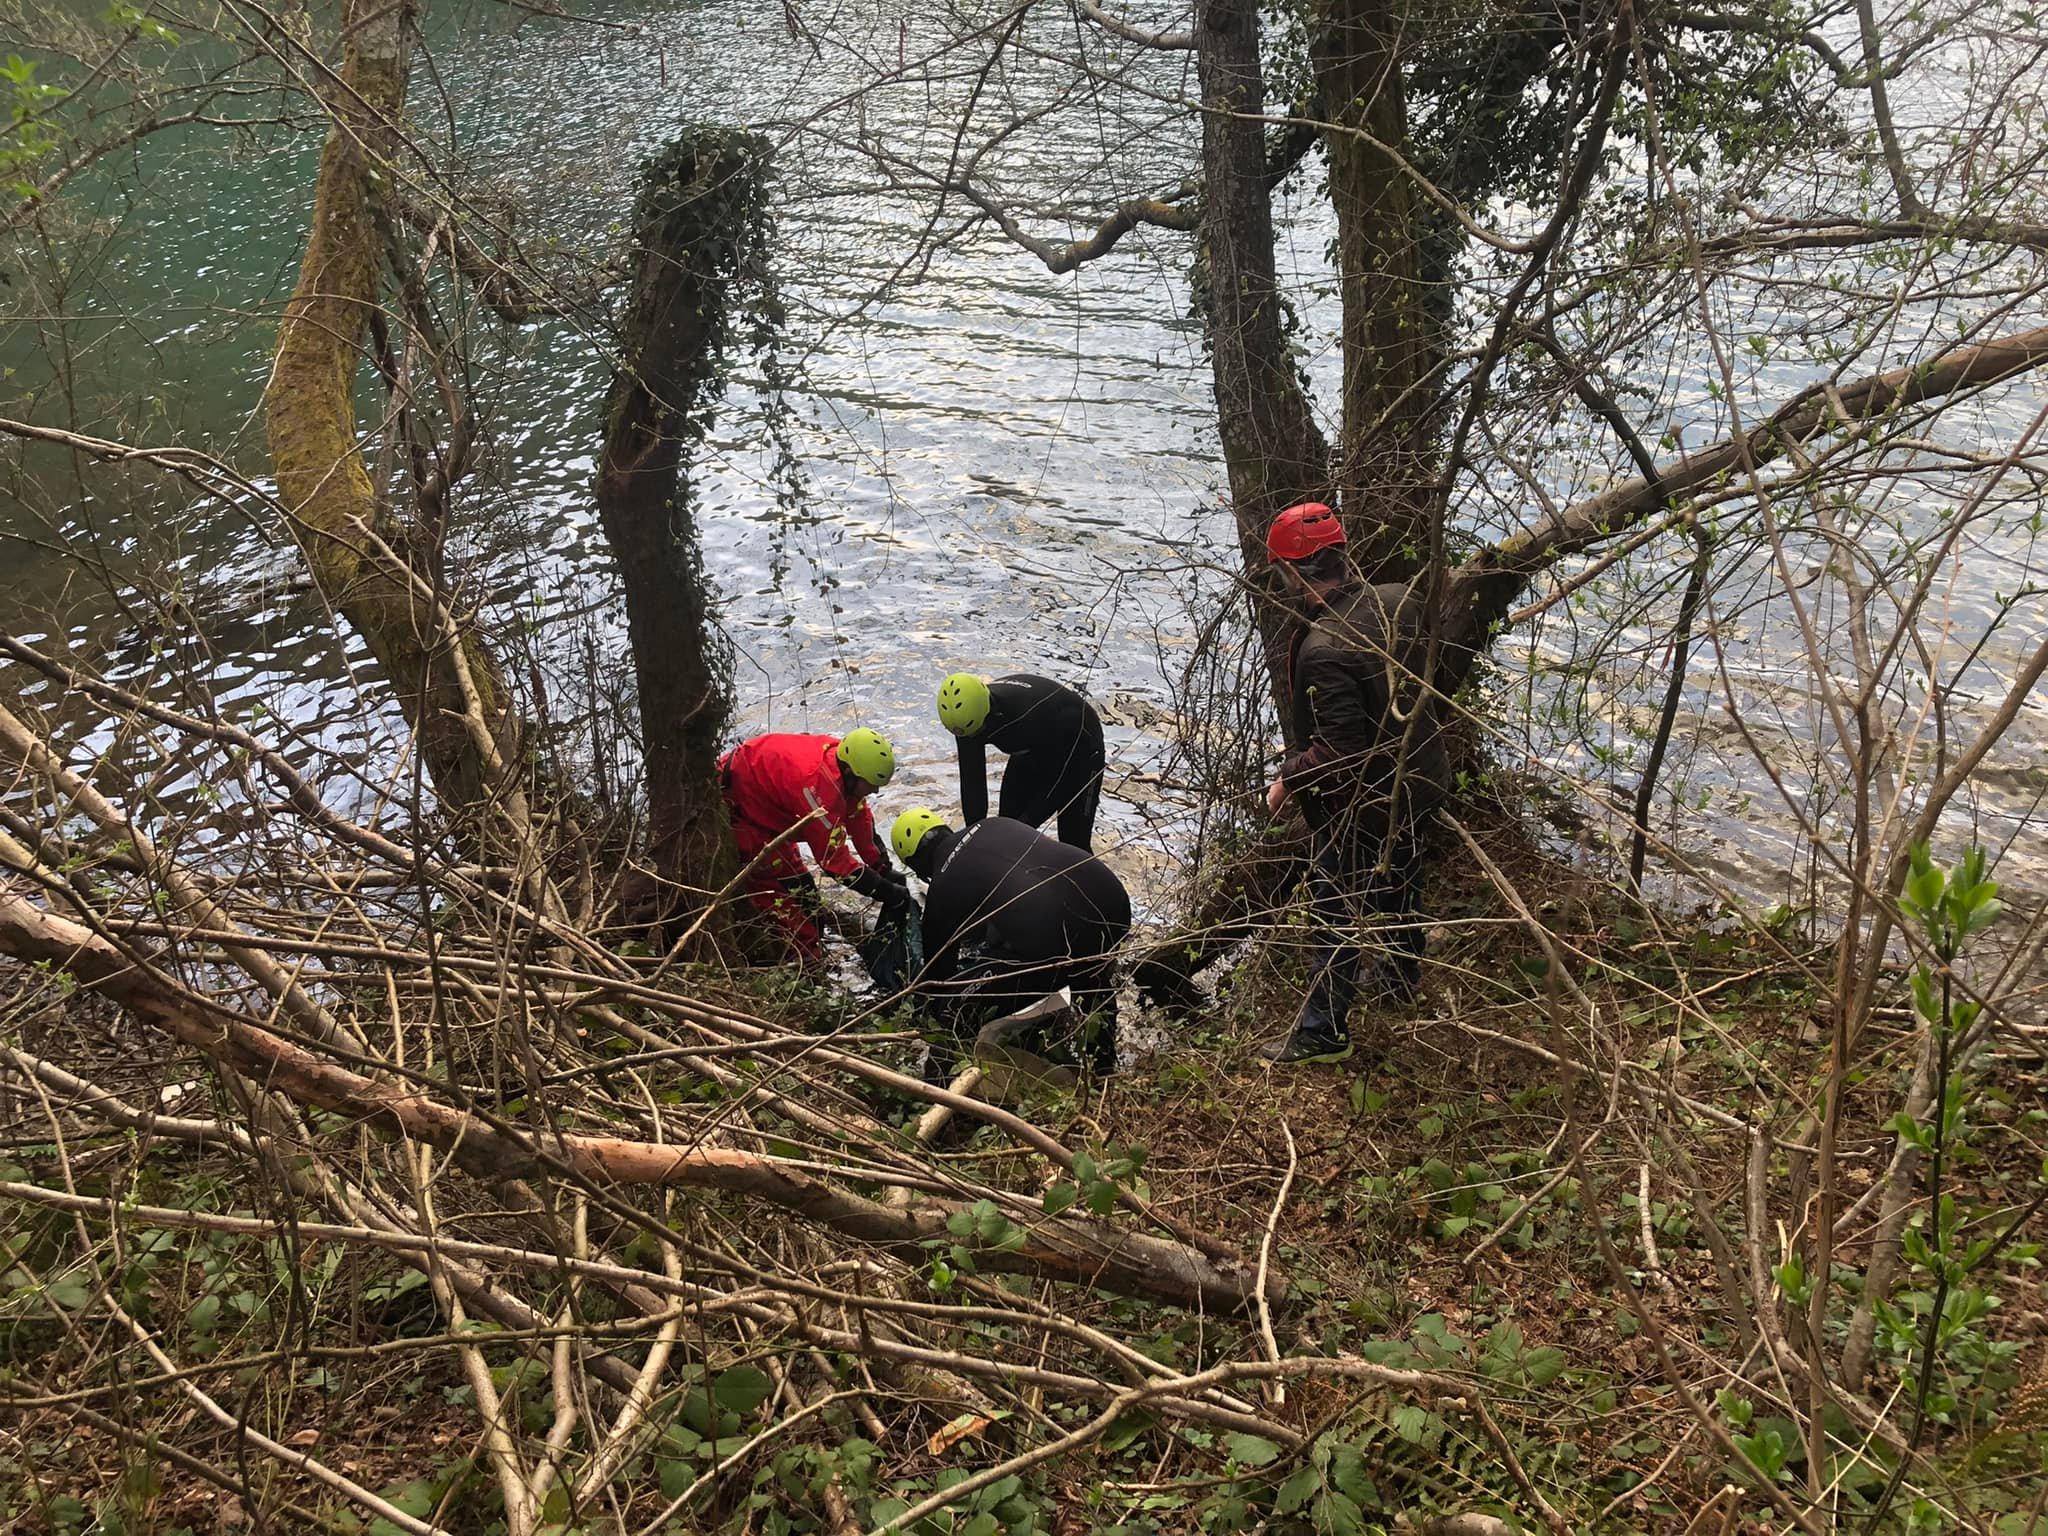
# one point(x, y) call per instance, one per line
point(1005, 469)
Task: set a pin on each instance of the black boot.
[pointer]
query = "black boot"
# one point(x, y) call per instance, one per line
point(1099, 1038)
point(1315, 1037)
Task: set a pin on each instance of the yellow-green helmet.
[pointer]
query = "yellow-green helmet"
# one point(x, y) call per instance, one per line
point(868, 756)
point(963, 703)
point(909, 831)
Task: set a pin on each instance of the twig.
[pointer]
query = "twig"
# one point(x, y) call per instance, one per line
point(1652, 1265)
point(1277, 1391)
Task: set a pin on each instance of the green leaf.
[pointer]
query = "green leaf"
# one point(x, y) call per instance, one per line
point(1348, 1476)
point(1297, 1491)
point(1543, 1366)
point(1250, 1450)
point(676, 1475)
point(1060, 1197)
point(743, 1388)
point(416, 1498)
point(1337, 1514)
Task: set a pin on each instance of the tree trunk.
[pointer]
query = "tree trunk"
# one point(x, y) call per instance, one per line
point(1273, 450)
point(696, 232)
point(1387, 468)
point(379, 572)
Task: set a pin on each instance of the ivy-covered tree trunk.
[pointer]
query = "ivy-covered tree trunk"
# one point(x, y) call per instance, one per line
point(1271, 446)
point(377, 570)
point(699, 232)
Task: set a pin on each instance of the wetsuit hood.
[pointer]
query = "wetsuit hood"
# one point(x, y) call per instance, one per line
point(931, 851)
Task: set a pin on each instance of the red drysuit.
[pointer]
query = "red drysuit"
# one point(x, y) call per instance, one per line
point(771, 783)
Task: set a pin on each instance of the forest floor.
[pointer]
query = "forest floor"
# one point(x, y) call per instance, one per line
point(1467, 1194)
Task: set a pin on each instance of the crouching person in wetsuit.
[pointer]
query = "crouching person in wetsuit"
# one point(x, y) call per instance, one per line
point(1053, 737)
point(775, 782)
point(1368, 782)
point(1009, 916)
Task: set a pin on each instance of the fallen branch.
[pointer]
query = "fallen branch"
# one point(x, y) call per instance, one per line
point(1080, 1251)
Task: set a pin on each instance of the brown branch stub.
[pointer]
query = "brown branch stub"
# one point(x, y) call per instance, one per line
point(1116, 26)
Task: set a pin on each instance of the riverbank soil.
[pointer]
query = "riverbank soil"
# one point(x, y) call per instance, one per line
point(1569, 1187)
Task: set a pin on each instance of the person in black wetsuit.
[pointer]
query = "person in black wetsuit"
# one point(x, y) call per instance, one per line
point(1010, 915)
point(1053, 737)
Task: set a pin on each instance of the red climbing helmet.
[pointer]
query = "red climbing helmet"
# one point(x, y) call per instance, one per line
point(1301, 530)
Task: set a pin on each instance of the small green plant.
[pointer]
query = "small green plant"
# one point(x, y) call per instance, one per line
point(27, 134)
point(1949, 907)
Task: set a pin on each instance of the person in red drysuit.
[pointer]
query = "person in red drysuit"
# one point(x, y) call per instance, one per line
point(774, 782)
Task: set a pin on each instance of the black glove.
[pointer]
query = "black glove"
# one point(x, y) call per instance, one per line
point(889, 889)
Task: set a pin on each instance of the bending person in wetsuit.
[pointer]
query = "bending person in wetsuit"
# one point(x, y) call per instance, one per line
point(1053, 737)
point(1009, 916)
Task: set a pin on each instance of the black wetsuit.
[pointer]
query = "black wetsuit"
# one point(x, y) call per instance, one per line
point(1054, 739)
point(1011, 915)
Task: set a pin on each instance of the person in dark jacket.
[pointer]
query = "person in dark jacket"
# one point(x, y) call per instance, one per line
point(1010, 915)
point(1053, 737)
point(1368, 781)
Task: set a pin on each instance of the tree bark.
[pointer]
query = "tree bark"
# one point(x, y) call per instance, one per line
point(1271, 445)
point(695, 227)
point(1386, 468)
point(378, 571)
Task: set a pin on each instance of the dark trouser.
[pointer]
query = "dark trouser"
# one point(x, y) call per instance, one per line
point(1037, 786)
point(1349, 893)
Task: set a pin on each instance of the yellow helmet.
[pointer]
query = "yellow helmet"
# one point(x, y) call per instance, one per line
point(963, 703)
point(908, 832)
point(868, 756)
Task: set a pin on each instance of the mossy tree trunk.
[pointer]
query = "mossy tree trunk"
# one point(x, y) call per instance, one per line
point(699, 239)
point(375, 567)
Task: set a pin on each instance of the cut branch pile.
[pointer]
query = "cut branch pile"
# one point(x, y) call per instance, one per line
point(621, 1174)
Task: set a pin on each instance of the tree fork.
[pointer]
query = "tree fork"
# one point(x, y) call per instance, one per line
point(1271, 445)
point(1387, 467)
